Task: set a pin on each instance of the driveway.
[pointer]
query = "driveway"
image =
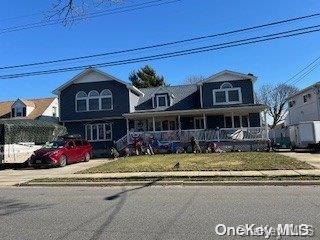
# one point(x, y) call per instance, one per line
point(311, 158)
point(10, 177)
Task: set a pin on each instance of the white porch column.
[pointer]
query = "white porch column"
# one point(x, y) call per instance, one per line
point(205, 126)
point(127, 122)
point(153, 124)
point(266, 124)
point(179, 126)
point(204, 121)
point(232, 119)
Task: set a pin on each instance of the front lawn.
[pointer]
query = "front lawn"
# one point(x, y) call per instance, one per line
point(241, 161)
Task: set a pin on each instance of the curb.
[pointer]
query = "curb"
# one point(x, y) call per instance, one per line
point(169, 183)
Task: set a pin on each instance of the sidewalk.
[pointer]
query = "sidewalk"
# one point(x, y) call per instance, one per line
point(186, 178)
point(274, 173)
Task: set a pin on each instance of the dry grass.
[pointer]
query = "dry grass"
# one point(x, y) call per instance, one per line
point(241, 161)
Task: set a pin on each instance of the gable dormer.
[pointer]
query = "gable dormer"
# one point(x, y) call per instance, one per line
point(21, 108)
point(227, 88)
point(162, 98)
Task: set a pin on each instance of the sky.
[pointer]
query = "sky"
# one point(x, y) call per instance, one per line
point(272, 62)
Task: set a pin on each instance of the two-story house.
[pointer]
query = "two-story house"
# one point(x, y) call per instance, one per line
point(103, 109)
point(304, 105)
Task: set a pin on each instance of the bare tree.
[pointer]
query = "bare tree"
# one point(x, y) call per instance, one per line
point(194, 79)
point(275, 98)
point(67, 11)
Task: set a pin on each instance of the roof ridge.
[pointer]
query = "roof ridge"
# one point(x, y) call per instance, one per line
point(31, 99)
point(181, 85)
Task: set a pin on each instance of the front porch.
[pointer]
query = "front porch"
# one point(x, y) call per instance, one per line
point(205, 125)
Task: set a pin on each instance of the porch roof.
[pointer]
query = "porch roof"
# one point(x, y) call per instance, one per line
point(243, 109)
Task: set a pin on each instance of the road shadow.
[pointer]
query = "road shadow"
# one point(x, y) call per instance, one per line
point(117, 195)
point(121, 196)
point(12, 206)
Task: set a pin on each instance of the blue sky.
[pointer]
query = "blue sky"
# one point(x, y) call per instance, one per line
point(272, 62)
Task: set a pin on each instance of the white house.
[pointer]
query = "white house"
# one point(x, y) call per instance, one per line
point(43, 109)
point(304, 105)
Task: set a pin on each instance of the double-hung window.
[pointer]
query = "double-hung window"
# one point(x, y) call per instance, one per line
point(81, 101)
point(99, 132)
point(227, 94)
point(162, 100)
point(94, 99)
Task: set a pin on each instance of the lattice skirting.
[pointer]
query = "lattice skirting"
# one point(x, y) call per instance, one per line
point(243, 146)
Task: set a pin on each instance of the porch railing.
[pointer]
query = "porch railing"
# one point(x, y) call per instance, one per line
point(223, 134)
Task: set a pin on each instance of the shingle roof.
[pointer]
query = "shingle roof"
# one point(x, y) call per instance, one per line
point(40, 105)
point(179, 92)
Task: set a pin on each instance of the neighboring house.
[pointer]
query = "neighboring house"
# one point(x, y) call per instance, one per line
point(104, 109)
point(43, 109)
point(304, 105)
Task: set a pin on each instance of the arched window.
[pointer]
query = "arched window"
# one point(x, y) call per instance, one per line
point(94, 100)
point(106, 99)
point(81, 101)
point(226, 85)
point(227, 94)
point(93, 94)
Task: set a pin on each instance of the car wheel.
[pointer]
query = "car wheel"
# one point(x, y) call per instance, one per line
point(62, 161)
point(87, 157)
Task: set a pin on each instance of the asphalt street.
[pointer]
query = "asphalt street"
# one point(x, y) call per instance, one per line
point(151, 212)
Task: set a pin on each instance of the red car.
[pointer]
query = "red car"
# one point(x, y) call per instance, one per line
point(61, 152)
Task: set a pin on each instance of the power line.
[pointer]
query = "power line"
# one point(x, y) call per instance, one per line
point(303, 69)
point(163, 44)
point(174, 54)
point(118, 10)
point(306, 73)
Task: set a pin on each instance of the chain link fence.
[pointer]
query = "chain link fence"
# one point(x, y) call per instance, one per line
point(19, 138)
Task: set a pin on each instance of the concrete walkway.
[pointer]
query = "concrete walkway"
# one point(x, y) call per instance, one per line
point(274, 173)
point(10, 177)
point(312, 159)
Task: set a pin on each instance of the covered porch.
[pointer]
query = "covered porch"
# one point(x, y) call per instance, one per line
point(215, 124)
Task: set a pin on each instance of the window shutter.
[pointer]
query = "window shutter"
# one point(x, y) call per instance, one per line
point(24, 111)
point(13, 112)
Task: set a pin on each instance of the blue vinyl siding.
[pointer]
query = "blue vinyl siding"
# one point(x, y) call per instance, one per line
point(120, 95)
point(246, 90)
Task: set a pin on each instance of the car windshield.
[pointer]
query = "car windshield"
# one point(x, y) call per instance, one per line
point(54, 144)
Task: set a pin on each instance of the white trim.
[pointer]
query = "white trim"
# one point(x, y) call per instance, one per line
point(90, 70)
point(96, 119)
point(223, 85)
point(226, 90)
point(238, 76)
point(165, 95)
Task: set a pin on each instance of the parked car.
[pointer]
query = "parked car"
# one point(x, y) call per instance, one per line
point(61, 152)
